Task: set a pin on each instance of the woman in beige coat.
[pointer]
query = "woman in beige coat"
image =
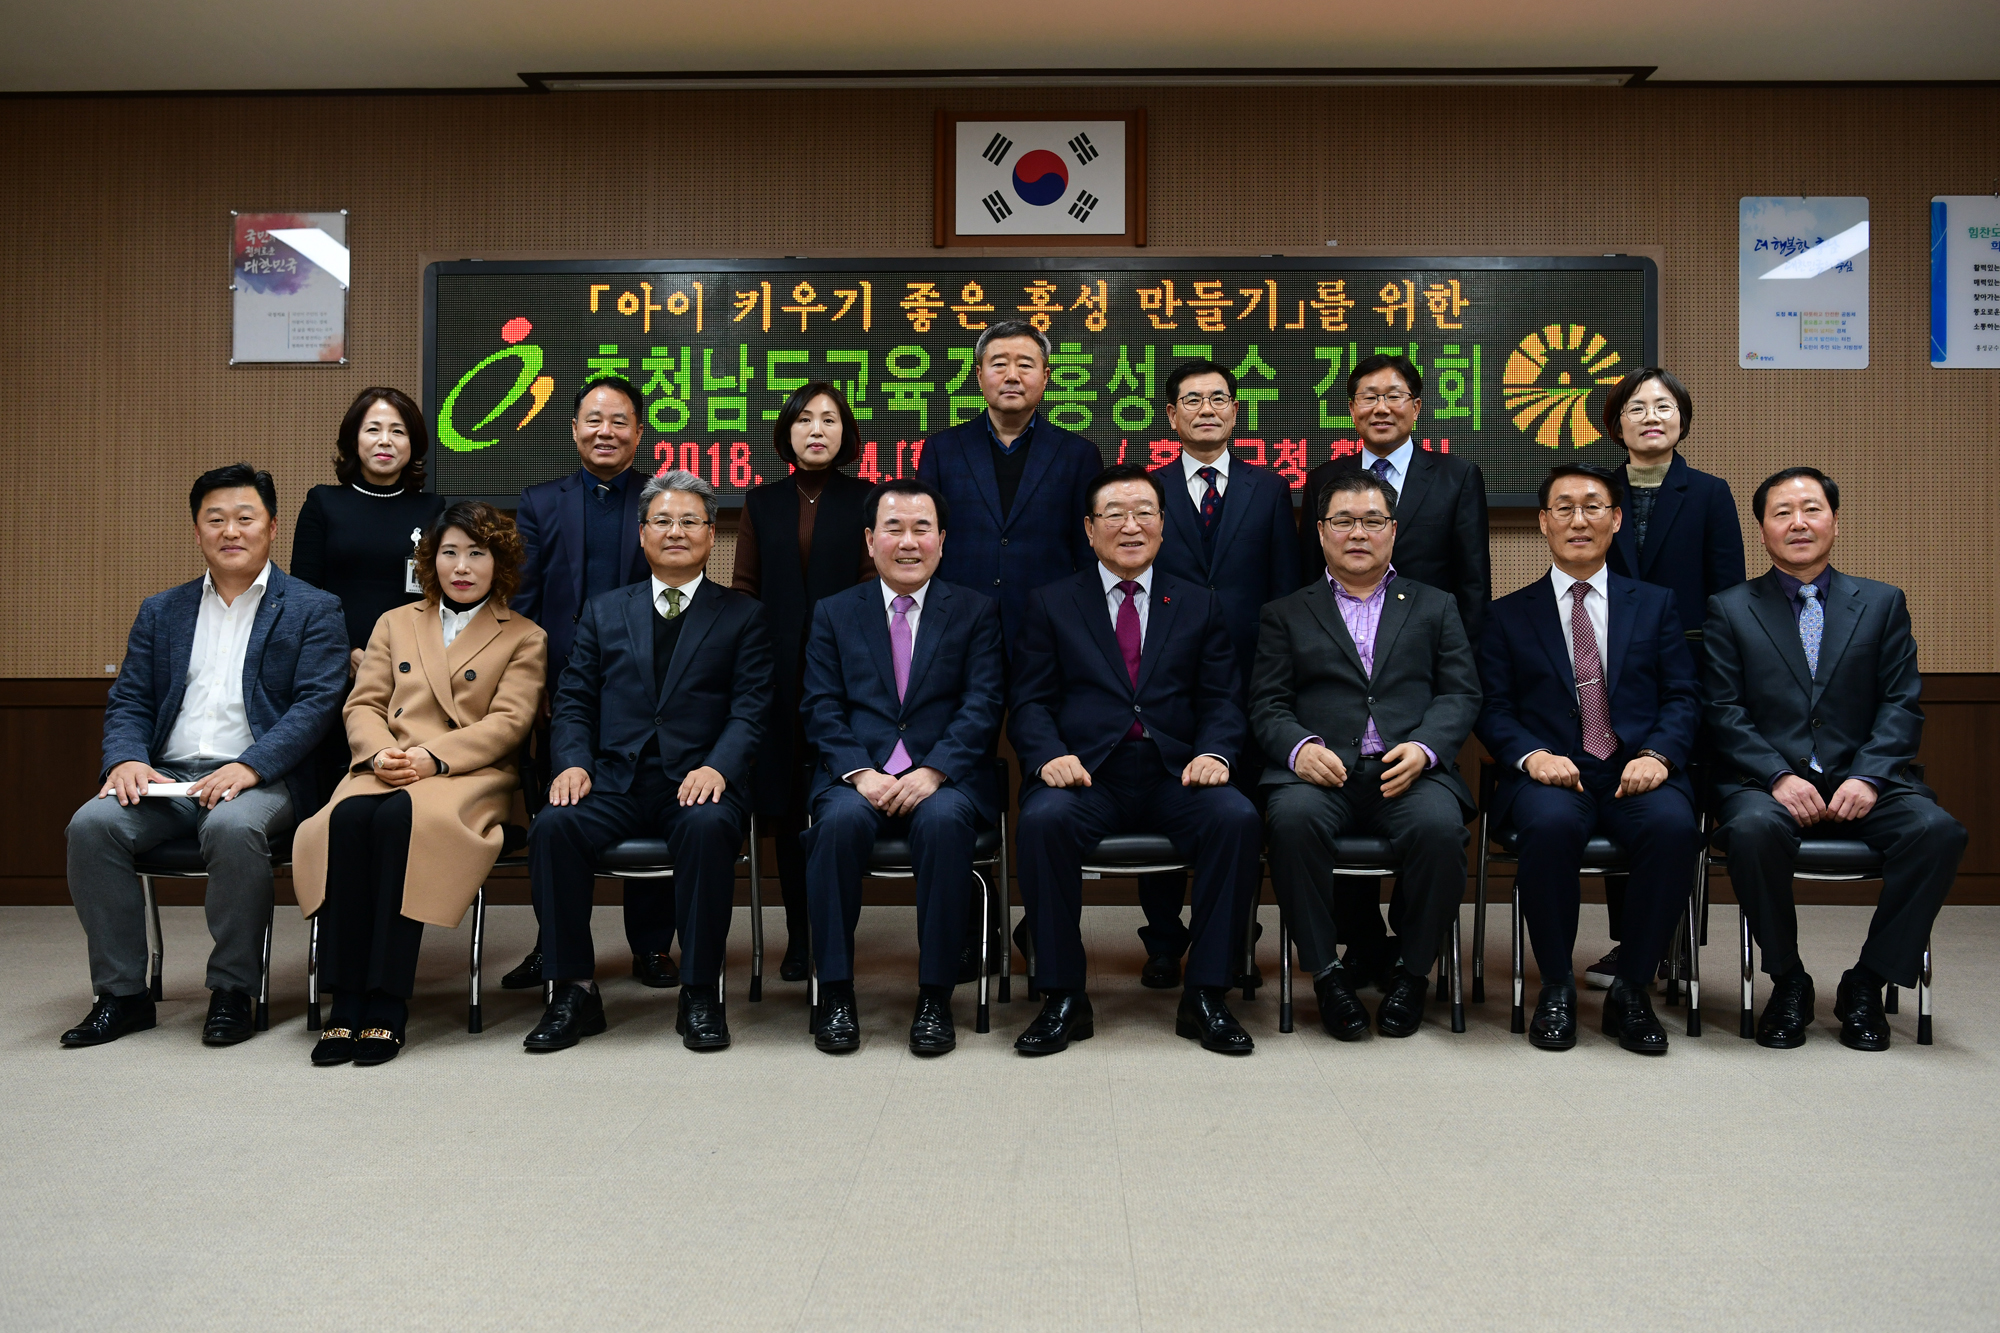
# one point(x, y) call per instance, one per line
point(446, 694)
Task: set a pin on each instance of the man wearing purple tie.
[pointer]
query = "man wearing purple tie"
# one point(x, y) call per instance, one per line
point(902, 698)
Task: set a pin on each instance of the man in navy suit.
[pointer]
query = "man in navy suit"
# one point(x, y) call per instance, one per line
point(1591, 712)
point(1125, 716)
point(1812, 705)
point(657, 720)
point(579, 540)
point(1228, 529)
point(228, 683)
point(1013, 480)
point(904, 687)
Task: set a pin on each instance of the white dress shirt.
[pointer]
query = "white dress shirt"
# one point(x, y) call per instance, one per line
point(456, 621)
point(1596, 605)
point(889, 596)
point(1198, 486)
point(213, 728)
point(1399, 463)
point(1114, 598)
point(687, 594)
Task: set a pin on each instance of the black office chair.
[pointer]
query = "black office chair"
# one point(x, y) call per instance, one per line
point(1826, 861)
point(180, 858)
point(1373, 858)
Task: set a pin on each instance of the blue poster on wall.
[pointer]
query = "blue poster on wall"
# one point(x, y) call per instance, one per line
point(1965, 281)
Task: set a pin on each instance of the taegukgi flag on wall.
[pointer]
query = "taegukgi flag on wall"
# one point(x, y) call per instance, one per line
point(1041, 177)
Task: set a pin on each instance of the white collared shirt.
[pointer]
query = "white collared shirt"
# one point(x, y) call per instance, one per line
point(213, 728)
point(687, 594)
point(1399, 463)
point(1596, 605)
point(1114, 598)
point(916, 613)
point(456, 621)
point(1198, 486)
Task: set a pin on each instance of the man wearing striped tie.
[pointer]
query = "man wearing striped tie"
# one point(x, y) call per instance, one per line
point(1591, 712)
point(1811, 697)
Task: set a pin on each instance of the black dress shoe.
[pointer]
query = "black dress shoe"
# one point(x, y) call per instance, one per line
point(576, 1012)
point(798, 963)
point(1554, 1025)
point(1161, 972)
point(1788, 1014)
point(1204, 1016)
point(1629, 1016)
point(1858, 1005)
point(1065, 1017)
point(526, 975)
point(839, 1030)
point(334, 1047)
point(1340, 1010)
point(376, 1046)
point(231, 1018)
point(931, 1031)
point(656, 970)
point(1402, 1009)
point(702, 1023)
point(111, 1017)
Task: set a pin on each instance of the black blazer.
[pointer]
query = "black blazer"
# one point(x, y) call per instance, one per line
point(1767, 714)
point(789, 596)
point(950, 716)
point(1440, 530)
point(1309, 680)
point(1530, 682)
point(710, 711)
point(550, 520)
point(1256, 556)
point(1072, 694)
point(1694, 546)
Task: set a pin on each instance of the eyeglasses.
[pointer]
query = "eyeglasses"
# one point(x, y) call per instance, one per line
point(1117, 518)
point(688, 525)
point(1371, 524)
point(1594, 512)
point(1395, 398)
point(1194, 402)
point(1640, 411)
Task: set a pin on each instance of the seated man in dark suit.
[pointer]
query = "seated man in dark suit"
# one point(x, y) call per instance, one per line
point(1365, 691)
point(1228, 529)
point(657, 720)
point(1591, 712)
point(903, 691)
point(1811, 701)
point(228, 683)
point(1125, 716)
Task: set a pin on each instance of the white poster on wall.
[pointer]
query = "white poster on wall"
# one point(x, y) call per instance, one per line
point(288, 283)
point(1965, 281)
point(1802, 282)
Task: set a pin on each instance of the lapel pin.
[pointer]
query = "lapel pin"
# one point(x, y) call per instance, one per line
point(1399, 597)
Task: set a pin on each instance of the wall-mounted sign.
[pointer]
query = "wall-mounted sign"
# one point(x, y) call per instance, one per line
point(1041, 182)
point(1802, 282)
point(1517, 355)
point(288, 284)
point(1965, 280)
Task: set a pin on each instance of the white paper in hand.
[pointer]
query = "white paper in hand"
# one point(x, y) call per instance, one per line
point(168, 788)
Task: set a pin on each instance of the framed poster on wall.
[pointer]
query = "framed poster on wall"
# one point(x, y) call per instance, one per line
point(1965, 281)
point(288, 287)
point(1802, 282)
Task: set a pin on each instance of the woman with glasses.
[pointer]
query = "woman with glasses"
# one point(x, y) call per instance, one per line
point(1680, 532)
point(800, 540)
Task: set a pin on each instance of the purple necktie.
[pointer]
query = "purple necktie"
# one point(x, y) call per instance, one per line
point(1128, 641)
point(1381, 470)
point(1211, 499)
point(1592, 701)
point(899, 654)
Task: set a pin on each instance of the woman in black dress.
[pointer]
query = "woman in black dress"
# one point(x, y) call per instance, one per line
point(800, 540)
point(357, 539)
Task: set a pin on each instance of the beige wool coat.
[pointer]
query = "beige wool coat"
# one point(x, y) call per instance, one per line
point(471, 706)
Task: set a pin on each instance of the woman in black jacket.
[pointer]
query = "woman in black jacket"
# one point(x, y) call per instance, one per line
point(800, 540)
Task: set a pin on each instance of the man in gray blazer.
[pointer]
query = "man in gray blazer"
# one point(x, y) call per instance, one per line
point(1365, 688)
point(1811, 704)
point(228, 684)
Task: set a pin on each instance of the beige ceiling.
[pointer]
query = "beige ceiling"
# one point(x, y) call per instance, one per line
point(196, 45)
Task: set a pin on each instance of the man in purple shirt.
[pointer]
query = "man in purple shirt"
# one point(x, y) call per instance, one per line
point(1367, 686)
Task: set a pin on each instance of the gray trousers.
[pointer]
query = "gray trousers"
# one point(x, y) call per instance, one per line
point(105, 838)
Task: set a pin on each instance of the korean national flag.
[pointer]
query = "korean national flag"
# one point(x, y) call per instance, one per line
point(1041, 177)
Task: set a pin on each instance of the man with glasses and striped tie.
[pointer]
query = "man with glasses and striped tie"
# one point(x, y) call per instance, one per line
point(1591, 712)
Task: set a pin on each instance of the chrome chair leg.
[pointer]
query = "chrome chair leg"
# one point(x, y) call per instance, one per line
point(1457, 979)
point(1249, 975)
point(1519, 1021)
point(1284, 972)
point(312, 974)
point(158, 943)
point(474, 1020)
point(264, 977)
point(984, 1022)
point(1924, 998)
point(1479, 922)
point(1746, 1026)
point(1694, 959)
point(812, 994)
point(756, 916)
point(1006, 918)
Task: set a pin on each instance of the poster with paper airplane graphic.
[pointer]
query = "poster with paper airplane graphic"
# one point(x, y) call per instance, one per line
point(1802, 282)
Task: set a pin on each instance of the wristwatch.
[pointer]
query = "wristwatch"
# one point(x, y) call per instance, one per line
point(1665, 762)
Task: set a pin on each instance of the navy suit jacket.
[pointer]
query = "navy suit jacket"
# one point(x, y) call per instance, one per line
point(1530, 682)
point(1256, 556)
point(1694, 545)
point(1072, 694)
point(1037, 541)
point(551, 522)
point(948, 718)
point(710, 711)
point(294, 681)
point(1768, 713)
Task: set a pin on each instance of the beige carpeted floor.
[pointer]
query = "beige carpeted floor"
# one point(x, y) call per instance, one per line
point(1132, 1182)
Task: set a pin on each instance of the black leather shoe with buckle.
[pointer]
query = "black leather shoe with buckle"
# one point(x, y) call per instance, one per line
point(111, 1017)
